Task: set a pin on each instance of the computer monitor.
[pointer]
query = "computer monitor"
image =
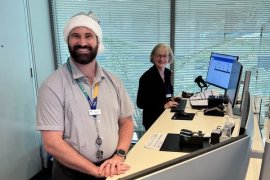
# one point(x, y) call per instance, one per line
point(220, 69)
point(234, 83)
point(246, 115)
point(238, 110)
point(245, 88)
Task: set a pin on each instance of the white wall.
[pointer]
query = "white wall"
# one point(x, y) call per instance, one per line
point(25, 42)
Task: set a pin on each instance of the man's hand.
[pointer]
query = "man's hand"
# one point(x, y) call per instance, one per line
point(113, 166)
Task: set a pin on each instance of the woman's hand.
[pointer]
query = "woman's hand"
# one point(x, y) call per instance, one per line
point(170, 104)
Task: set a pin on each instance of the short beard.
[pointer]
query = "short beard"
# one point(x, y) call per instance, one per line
point(85, 58)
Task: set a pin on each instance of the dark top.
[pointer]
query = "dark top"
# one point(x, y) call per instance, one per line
point(152, 94)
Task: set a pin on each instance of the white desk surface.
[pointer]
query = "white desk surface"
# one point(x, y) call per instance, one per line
point(140, 158)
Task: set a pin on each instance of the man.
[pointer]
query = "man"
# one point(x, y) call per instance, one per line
point(84, 112)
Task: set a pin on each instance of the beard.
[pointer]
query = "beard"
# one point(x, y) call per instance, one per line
point(82, 58)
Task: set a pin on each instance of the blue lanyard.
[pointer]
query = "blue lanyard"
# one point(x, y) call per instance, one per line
point(93, 103)
point(93, 106)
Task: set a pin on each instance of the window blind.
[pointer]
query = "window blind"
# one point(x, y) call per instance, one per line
point(132, 28)
point(130, 31)
point(239, 27)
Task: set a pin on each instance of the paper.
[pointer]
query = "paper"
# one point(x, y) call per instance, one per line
point(155, 141)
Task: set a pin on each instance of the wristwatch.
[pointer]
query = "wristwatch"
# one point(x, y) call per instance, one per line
point(120, 152)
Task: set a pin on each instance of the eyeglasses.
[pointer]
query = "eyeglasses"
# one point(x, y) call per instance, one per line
point(159, 56)
point(99, 154)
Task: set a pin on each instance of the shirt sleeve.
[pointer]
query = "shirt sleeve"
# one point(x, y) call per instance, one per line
point(49, 113)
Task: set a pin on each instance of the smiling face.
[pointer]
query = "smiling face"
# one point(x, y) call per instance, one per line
point(160, 58)
point(82, 45)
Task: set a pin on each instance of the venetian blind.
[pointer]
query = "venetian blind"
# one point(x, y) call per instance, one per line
point(130, 31)
point(235, 27)
point(132, 28)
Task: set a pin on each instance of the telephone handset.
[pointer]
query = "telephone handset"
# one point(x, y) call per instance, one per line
point(186, 132)
point(191, 139)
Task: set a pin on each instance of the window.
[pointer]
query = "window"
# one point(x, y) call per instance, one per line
point(239, 27)
point(132, 28)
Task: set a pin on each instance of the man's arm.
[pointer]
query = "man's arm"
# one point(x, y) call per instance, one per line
point(126, 129)
point(67, 155)
point(116, 165)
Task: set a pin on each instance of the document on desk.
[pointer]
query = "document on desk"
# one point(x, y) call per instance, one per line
point(155, 141)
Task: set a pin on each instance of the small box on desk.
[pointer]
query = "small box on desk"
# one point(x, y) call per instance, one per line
point(215, 135)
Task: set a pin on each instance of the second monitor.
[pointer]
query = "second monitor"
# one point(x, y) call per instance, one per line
point(224, 71)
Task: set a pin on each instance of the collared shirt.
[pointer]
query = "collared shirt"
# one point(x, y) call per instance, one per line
point(63, 107)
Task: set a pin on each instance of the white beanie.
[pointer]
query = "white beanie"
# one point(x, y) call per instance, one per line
point(84, 20)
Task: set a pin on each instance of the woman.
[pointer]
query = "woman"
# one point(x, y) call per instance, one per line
point(155, 90)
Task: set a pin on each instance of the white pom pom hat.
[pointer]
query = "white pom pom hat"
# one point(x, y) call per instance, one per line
point(85, 20)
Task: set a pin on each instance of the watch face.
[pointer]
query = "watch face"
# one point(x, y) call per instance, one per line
point(121, 152)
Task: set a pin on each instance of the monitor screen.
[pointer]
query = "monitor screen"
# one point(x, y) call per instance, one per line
point(220, 69)
point(234, 82)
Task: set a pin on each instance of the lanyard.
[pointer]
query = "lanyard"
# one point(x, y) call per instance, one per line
point(92, 103)
point(93, 106)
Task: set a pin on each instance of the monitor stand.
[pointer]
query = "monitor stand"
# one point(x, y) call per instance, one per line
point(233, 111)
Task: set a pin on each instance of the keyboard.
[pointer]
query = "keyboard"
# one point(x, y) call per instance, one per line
point(181, 106)
point(199, 103)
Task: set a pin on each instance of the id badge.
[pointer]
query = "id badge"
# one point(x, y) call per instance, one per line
point(94, 112)
point(168, 95)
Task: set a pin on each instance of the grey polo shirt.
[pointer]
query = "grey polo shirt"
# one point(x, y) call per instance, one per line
point(63, 107)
